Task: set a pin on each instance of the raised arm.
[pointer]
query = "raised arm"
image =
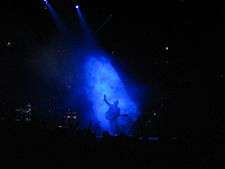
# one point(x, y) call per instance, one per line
point(106, 101)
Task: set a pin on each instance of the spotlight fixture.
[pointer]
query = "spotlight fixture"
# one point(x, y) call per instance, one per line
point(77, 6)
point(45, 1)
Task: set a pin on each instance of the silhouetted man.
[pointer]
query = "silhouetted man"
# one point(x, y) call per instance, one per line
point(112, 114)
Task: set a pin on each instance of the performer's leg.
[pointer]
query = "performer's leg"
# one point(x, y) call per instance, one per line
point(113, 127)
point(117, 129)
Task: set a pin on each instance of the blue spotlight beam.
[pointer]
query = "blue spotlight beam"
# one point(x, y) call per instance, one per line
point(61, 27)
point(102, 79)
point(88, 37)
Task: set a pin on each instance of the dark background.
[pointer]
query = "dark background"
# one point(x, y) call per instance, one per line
point(187, 81)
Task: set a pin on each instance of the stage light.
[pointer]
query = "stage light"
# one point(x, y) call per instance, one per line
point(77, 6)
point(45, 1)
point(8, 44)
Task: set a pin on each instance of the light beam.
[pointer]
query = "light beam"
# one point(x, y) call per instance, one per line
point(102, 79)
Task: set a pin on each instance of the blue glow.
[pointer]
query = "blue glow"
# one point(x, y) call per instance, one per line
point(77, 6)
point(45, 1)
point(102, 79)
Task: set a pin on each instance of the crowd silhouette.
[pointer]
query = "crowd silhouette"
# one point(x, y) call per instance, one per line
point(35, 144)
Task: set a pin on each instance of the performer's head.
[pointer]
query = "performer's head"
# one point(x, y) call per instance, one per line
point(116, 103)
